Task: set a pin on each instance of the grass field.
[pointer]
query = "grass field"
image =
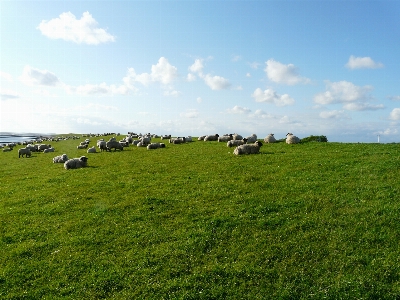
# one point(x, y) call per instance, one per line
point(194, 221)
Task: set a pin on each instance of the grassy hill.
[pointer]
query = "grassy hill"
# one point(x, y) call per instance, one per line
point(194, 221)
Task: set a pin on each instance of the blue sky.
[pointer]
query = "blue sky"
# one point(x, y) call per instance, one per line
point(202, 67)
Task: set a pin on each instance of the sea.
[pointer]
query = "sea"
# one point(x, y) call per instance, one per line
point(6, 138)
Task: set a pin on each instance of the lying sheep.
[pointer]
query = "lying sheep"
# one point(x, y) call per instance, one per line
point(76, 163)
point(252, 138)
point(237, 137)
point(84, 146)
point(24, 151)
point(201, 138)
point(7, 149)
point(234, 143)
point(248, 148)
point(42, 147)
point(155, 146)
point(225, 138)
point(270, 138)
point(212, 137)
point(51, 149)
point(178, 140)
point(292, 139)
point(60, 159)
point(91, 150)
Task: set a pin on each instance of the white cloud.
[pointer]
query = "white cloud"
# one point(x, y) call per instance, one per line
point(362, 63)
point(191, 77)
point(255, 65)
point(197, 66)
point(395, 114)
point(162, 72)
point(239, 110)
point(394, 98)
point(248, 75)
point(32, 76)
point(99, 89)
point(199, 100)
point(6, 76)
point(342, 92)
point(332, 114)
point(190, 114)
point(172, 93)
point(285, 74)
point(270, 96)
point(68, 28)
point(362, 106)
point(6, 94)
point(216, 82)
point(236, 58)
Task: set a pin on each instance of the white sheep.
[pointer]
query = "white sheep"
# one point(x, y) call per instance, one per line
point(60, 159)
point(292, 139)
point(252, 138)
point(248, 148)
point(84, 146)
point(51, 149)
point(201, 138)
point(24, 151)
point(178, 140)
point(76, 163)
point(225, 138)
point(237, 137)
point(114, 144)
point(270, 138)
point(7, 149)
point(91, 150)
point(155, 146)
point(234, 143)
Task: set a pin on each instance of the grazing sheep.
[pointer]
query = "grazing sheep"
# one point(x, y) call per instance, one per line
point(24, 151)
point(225, 138)
point(102, 145)
point(251, 139)
point(155, 146)
point(234, 143)
point(292, 139)
point(248, 148)
point(114, 144)
point(41, 147)
point(270, 138)
point(91, 150)
point(51, 149)
point(76, 163)
point(212, 137)
point(60, 159)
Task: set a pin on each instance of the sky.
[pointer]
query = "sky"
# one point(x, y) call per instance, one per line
point(202, 67)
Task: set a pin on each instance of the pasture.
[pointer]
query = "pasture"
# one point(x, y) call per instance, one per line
point(193, 221)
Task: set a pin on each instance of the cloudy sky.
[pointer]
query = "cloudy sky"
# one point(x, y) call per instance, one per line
point(202, 67)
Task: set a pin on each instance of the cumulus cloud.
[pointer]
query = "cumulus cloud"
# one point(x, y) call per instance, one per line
point(342, 92)
point(358, 106)
point(191, 77)
point(239, 110)
point(216, 82)
point(8, 95)
point(395, 114)
point(82, 31)
point(270, 96)
point(172, 93)
point(362, 63)
point(332, 114)
point(6, 76)
point(162, 72)
point(32, 76)
point(285, 74)
point(190, 114)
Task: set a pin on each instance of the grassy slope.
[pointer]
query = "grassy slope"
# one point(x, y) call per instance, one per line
point(194, 221)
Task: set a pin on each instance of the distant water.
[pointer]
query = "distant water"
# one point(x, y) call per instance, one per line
point(15, 138)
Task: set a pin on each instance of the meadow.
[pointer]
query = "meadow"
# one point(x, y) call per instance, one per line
point(193, 221)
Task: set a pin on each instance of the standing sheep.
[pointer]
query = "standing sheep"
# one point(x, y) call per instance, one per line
point(248, 148)
point(24, 151)
point(270, 138)
point(76, 163)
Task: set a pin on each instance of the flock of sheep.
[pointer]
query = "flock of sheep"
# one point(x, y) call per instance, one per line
point(244, 145)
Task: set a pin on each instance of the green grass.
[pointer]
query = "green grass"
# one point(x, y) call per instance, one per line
point(194, 221)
